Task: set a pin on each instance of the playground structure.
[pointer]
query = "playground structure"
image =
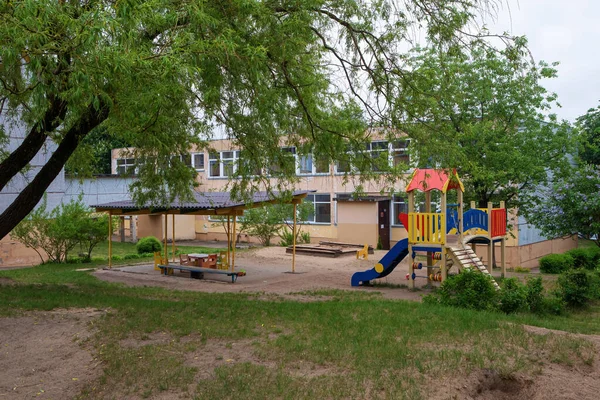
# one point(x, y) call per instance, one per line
point(442, 240)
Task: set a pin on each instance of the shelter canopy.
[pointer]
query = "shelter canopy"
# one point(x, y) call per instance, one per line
point(208, 203)
point(429, 179)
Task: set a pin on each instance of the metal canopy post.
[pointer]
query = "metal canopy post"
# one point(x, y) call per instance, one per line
point(109, 239)
point(166, 230)
point(294, 240)
point(233, 241)
point(173, 239)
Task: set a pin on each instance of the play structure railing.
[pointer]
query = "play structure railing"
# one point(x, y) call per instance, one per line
point(475, 218)
point(427, 228)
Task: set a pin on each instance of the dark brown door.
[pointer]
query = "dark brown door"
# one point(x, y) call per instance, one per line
point(383, 219)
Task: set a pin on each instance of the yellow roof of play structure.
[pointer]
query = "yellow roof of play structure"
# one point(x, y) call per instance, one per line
point(429, 179)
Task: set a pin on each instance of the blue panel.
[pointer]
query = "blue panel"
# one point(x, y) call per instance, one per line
point(475, 219)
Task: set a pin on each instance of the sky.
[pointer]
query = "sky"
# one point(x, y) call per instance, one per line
point(563, 31)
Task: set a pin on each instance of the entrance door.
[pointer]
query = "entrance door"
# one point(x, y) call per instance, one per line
point(383, 218)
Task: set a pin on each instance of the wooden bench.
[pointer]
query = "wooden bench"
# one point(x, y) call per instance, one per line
point(198, 272)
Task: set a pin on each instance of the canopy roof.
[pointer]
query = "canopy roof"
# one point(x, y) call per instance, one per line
point(429, 179)
point(208, 203)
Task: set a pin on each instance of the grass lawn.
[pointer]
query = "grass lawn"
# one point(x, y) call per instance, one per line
point(122, 249)
point(354, 345)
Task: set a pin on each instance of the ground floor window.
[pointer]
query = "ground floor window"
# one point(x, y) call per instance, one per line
point(399, 205)
point(321, 208)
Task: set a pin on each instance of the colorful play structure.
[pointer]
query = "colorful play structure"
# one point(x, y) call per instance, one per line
point(441, 241)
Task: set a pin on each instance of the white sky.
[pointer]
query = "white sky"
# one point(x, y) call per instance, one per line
point(567, 31)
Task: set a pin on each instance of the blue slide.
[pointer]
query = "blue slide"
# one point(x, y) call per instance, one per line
point(388, 262)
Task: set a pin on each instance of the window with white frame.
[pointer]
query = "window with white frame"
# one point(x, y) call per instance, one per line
point(222, 164)
point(310, 165)
point(198, 161)
point(378, 149)
point(285, 153)
point(321, 208)
point(125, 166)
point(399, 205)
point(400, 152)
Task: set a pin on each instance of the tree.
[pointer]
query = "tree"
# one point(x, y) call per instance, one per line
point(161, 74)
point(589, 129)
point(483, 113)
point(59, 231)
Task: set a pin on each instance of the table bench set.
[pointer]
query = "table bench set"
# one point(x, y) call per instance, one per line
point(198, 264)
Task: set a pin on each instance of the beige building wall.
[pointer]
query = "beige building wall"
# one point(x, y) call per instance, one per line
point(153, 225)
point(357, 222)
point(14, 253)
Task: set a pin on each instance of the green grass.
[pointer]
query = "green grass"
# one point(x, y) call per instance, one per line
point(338, 348)
point(122, 249)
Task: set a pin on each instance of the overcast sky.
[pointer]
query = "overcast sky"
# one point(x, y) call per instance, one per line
point(564, 31)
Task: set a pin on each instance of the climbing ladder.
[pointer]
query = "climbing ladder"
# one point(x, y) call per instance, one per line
point(466, 258)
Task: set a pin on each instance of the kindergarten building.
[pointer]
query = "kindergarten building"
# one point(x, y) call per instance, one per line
point(337, 215)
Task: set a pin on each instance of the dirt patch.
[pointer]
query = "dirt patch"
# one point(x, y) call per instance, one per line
point(544, 331)
point(43, 354)
point(268, 273)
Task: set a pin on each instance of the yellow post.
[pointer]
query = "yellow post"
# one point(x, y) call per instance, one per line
point(294, 241)
point(166, 230)
point(461, 211)
point(503, 256)
point(109, 239)
point(228, 240)
point(233, 242)
point(429, 253)
point(443, 267)
point(173, 239)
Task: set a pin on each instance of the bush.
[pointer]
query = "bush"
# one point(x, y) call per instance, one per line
point(149, 244)
point(146, 255)
point(98, 259)
point(116, 258)
point(534, 292)
point(513, 296)
point(468, 289)
point(575, 287)
point(553, 304)
point(287, 237)
point(556, 263)
point(305, 236)
point(131, 256)
point(74, 260)
point(582, 258)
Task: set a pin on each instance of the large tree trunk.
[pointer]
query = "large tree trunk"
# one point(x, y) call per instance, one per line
point(32, 143)
point(33, 193)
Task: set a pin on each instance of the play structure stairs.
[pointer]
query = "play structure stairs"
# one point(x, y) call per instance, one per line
point(464, 256)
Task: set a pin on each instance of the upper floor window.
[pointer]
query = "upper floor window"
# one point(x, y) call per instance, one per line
point(223, 163)
point(125, 166)
point(400, 152)
point(198, 161)
point(310, 165)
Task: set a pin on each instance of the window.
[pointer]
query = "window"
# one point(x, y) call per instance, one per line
point(399, 205)
point(198, 160)
point(125, 166)
point(279, 161)
point(305, 164)
point(322, 208)
point(308, 165)
point(378, 150)
point(400, 152)
point(223, 163)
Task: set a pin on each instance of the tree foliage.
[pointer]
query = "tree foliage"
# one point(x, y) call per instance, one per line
point(482, 111)
point(59, 231)
point(277, 219)
point(589, 129)
point(161, 75)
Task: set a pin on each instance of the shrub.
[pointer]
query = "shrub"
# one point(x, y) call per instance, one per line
point(98, 259)
point(116, 258)
point(147, 255)
point(305, 236)
point(553, 304)
point(556, 263)
point(148, 244)
point(513, 296)
point(287, 237)
point(74, 260)
point(534, 292)
point(468, 289)
point(522, 270)
point(582, 258)
point(131, 256)
point(57, 232)
point(575, 287)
